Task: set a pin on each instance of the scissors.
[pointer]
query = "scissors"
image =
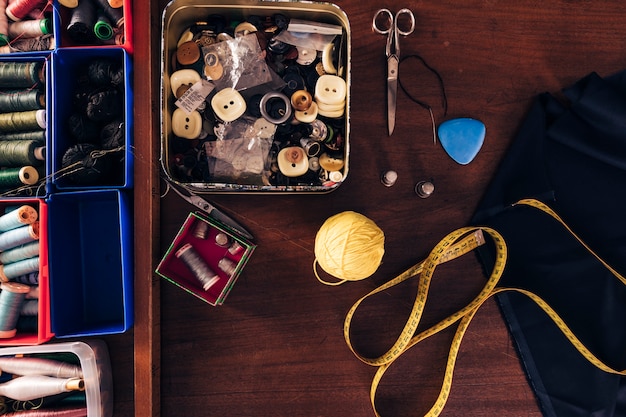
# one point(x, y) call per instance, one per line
point(385, 23)
point(208, 208)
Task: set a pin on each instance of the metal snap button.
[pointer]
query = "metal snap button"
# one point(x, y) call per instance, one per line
point(187, 126)
point(285, 109)
point(228, 104)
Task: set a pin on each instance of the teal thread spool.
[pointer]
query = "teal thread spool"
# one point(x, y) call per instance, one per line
point(23, 121)
point(17, 153)
point(21, 100)
point(26, 251)
point(20, 236)
point(21, 74)
point(19, 217)
point(16, 177)
point(30, 308)
point(16, 269)
point(12, 295)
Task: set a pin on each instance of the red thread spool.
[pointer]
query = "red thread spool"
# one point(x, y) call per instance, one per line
point(4, 23)
point(19, 9)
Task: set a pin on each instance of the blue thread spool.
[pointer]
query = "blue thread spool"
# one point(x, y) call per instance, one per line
point(15, 269)
point(12, 296)
point(29, 308)
point(17, 237)
point(21, 216)
point(26, 251)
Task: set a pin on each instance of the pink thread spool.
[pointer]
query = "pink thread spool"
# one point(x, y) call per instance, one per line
point(19, 9)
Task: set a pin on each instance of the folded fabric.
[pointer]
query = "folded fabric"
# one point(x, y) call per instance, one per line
point(570, 154)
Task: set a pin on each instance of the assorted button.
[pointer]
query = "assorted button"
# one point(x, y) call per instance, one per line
point(301, 112)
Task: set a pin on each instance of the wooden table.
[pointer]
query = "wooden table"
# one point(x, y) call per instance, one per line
point(276, 347)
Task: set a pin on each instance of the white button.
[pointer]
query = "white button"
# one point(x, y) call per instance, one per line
point(185, 125)
point(330, 89)
point(264, 129)
point(308, 115)
point(306, 56)
point(327, 59)
point(228, 104)
point(292, 161)
point(184, 76)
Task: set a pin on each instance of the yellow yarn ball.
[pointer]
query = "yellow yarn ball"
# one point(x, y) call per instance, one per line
point(349, 246)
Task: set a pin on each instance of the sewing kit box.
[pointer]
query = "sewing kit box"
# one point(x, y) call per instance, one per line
point(221, 251)
point(90, 256)
point(39, 332)
point(94, 360)
point(239, 168)
point(68, 66)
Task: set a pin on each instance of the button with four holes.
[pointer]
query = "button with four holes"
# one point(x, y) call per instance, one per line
point(188, 53)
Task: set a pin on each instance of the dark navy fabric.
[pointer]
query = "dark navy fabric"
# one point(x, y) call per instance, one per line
point(570, 153)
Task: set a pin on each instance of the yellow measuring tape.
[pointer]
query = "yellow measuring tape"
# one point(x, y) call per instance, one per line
point(458, 243)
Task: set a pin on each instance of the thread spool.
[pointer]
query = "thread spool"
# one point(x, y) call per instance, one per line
point(21, 100)
point(26, 251)
point(115, 15)
point(198, 266)
point(348, 246)
point(20, 236)
point(82, 19)
point(30, 28)
point(39, 366)
point(18, 268)
point(28, 279)
point(23, 121)
point(38, 135)
point(21, 74)
point(21, 216)
point(17, 153)
point(116, 4)
point(30, 387)
point(29, 308)
point(102, 29)
point(4, 23)
point(19, 9)
point(16, 177)
point(12, 296)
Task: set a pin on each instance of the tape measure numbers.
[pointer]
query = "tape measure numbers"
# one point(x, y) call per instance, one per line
point(454, 245)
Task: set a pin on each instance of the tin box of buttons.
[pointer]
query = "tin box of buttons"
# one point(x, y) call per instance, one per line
point(255, 96)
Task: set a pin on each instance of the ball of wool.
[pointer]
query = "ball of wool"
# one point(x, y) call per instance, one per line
point(349, 246)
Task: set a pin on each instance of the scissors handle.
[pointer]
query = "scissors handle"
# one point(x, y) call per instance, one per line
point(404, 28)
point(383, 21)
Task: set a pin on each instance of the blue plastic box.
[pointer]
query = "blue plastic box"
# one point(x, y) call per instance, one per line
point(90, 262)
point(68, 75)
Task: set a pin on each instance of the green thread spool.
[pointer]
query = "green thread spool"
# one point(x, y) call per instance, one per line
point(11, 298)
point(23, 121)
point(17, 177)
point(18, 153)
point(21, 100)
point(21, 74)
point(39, 135)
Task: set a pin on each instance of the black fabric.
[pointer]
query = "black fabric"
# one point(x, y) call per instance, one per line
point(569, 153)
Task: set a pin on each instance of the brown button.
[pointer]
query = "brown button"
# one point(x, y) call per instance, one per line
point(188, 53)
point(301, 100)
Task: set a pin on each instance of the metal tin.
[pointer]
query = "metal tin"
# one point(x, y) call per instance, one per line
point(179, 15)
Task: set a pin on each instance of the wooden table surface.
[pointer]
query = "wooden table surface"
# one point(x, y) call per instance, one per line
point(276, 347)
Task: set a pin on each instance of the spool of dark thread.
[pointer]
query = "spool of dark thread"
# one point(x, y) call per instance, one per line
point(40, 43)
point(86, 165)
point(82, 20)
point(83, 129)
point(197, 265)
point(17, 153)
point(21, 100)
point(21, 74)
point(115, 15)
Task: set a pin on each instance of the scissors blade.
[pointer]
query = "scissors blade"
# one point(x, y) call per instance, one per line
point(392, 91)
point(211, 210)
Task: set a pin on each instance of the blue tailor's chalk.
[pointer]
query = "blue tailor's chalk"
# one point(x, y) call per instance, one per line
point(462, 138)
